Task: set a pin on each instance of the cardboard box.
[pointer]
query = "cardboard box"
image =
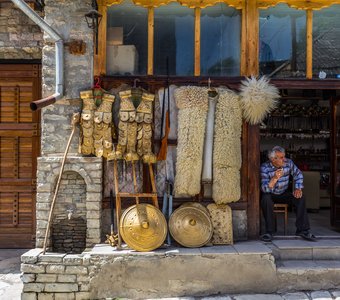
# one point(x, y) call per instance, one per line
point(114, 36)
point(121, 60)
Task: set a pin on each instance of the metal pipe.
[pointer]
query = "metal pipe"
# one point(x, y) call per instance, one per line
point(59, 55)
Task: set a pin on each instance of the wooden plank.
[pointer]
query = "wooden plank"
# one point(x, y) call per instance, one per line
point(309, 53)
point(24, 240)
point(197, 54)
point(157, 82)
point(151, 40)
point(243, 61)
point(21, 74)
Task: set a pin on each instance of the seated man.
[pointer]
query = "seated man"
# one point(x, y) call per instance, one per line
point(274, 186)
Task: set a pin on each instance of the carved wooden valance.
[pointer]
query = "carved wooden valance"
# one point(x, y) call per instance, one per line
point(298, 4)
point(238, 4)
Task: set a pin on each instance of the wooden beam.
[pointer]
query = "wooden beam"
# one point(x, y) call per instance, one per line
point(243, 60)
point(298, 4)
point(251, 133)
point(99, 67)
point(150, 39)
point(252, 35)
point(309, 44)
point(197, 66)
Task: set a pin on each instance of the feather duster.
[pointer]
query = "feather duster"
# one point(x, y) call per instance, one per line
point(258, 98)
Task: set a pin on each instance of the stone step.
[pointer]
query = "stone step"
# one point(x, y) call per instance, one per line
point(299, 275)
point(299, 249)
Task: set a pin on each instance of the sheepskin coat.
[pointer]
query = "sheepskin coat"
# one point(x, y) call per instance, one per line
point(192, 104)
point(209, 141)
point(227, 155)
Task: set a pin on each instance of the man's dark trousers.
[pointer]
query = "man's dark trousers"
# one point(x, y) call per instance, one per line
point(267, 205)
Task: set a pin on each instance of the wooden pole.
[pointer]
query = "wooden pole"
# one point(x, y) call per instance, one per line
point(118, 202)
point(135, 181)
point(75, 120)
point(153, 185)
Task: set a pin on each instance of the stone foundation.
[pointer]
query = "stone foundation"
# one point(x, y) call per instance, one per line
point(103, 272)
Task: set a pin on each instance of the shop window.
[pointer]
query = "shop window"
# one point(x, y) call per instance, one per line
point(326, 43)
point(174, 39)
point(282, 45)
point(127, 39)
point(220, 41)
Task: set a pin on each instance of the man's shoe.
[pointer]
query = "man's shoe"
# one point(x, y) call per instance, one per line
point(267, 237)
point(307, 236)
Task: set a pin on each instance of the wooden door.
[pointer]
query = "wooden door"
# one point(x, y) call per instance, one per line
point(335, 164)
point(20, 146)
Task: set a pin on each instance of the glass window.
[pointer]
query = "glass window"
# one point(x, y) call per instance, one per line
point(282, 45)
point(326, 42)
point(127, 39)
point(174, 38)
point(220, 41)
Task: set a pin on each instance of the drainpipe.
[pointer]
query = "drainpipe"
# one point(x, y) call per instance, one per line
point(59, 55)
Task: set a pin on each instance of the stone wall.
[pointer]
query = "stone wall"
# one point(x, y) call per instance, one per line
point(20, 38)
point(67, 18)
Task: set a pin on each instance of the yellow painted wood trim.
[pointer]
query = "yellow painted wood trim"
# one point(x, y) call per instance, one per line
point(99, 67)
point(243, 61)
point(298, 4)
point(150, 40)
point(309, 52)
point(238, 4)
point(197, 66)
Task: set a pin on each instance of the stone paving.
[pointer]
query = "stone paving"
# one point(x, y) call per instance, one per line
point(311, 295)
point(11, 285)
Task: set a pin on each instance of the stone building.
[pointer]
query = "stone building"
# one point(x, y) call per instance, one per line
point(81, 216)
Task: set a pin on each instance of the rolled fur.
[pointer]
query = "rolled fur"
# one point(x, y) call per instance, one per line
point(228, 186)
point(192, 103)
point(227, 155)
point(258, 98)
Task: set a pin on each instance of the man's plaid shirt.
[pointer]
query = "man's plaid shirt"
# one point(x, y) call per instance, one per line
point(289, 168)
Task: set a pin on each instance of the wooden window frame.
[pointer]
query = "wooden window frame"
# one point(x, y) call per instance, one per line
point(249, 30)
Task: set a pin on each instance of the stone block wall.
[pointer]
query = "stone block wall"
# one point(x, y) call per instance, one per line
point(89, 169)
point(67, 18)
point(20, 38)
point(54, 276)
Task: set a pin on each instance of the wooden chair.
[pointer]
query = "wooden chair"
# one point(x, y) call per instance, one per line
point(281, 209)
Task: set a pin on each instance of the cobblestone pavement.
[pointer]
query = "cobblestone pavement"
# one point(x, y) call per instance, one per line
point(11, 285)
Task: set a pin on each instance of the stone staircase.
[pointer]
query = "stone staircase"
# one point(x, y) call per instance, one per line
point(303, 265)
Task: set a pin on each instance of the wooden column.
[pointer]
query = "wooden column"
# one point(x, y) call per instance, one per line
point(150, 39)
point(197, 67)
point(251, 133)
point(309, 52)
